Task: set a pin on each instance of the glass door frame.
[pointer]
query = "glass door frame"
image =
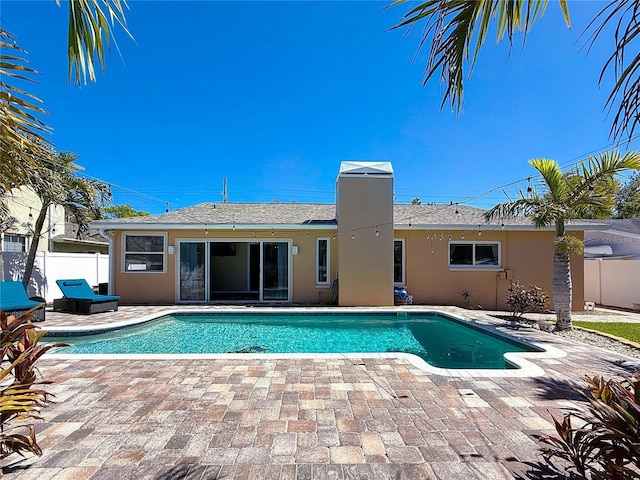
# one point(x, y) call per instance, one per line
point(177, 254)
point(207, 266)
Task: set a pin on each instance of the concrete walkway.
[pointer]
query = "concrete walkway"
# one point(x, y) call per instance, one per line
point(299, 418)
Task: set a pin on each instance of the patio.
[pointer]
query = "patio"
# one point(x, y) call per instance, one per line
point(298, 419)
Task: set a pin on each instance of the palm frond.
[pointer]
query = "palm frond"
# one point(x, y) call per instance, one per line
point(22, 133)
point(624, 17)
point(91, 24)
point(552, 175)
point(516, 208)
point(457, 30)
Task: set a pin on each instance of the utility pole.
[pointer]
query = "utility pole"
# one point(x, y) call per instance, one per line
point(225, 196)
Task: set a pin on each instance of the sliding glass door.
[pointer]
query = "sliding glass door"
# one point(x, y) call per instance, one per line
point(233, 271)
point(275, 271)
point(192, 272)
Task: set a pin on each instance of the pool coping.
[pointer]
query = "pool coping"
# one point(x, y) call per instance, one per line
point(526, 368)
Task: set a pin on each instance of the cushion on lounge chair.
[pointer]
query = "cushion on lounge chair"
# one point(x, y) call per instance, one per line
point(14, 300)
point(79, 297)
point(79, 289)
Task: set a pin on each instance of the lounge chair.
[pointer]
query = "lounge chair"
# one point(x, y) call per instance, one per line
point(79, 297)
point(14, 300)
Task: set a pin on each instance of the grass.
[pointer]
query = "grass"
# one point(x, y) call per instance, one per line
point(630, 331)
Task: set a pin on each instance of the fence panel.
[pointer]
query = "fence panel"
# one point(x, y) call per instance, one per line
point(613, 283)
point(49, 267)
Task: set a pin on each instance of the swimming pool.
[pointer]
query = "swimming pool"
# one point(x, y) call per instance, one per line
point(440, 340)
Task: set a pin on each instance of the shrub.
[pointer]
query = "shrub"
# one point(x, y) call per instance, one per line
point(523, 300)
point(21, 393)
point(606, 446)
point(466, 296)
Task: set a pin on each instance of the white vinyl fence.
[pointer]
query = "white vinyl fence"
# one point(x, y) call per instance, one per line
point(49, 267)
point(612, 283)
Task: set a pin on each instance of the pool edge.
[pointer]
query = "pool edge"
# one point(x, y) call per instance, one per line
point(526, 368)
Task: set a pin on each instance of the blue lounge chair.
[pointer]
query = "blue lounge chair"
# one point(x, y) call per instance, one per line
point(79, 297)
point(14, 300)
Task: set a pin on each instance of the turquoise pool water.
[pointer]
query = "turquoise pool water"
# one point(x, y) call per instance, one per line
point(440, 340)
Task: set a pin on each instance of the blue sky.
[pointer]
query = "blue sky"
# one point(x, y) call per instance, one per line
point(274, 95)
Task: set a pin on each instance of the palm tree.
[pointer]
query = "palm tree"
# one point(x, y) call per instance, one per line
point(585, 192)
point(455, 31)
point(22, 133)
point(82, 199)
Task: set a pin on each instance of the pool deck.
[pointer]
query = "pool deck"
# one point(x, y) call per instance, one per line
point(305, 418)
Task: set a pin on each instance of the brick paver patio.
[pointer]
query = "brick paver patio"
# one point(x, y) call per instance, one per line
point(296, 418)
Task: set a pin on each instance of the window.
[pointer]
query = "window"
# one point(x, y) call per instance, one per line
point(144, 253)
point(322, 261)
point(398, 262)
point(14, 243)
point(474, 254)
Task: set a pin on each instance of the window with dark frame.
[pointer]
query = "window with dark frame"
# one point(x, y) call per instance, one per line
point(474, 254)
point(322, 261)
point(144, 253)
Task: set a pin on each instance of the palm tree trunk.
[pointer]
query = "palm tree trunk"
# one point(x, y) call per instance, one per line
point(33, 248)
point(562, 292)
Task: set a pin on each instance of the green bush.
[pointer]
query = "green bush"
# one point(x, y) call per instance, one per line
point(523, 300)
point(606, 446)
point(21, 393)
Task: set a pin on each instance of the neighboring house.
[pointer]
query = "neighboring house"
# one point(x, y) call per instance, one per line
point(359, 249)
point(620, 238)
point(24, 206)
point(60, 253)
point(57, 234)
point(612, 264)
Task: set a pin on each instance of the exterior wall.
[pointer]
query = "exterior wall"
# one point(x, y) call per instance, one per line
point(613, 283)
point(152, 288)
point(305, 289)
point(525, 256)
point(365, 259)
point(19, 203)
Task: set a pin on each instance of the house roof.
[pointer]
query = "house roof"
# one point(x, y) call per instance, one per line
point(624, 225)
point(311, 215)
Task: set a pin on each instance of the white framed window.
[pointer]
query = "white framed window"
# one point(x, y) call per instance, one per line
point(474, 255)
point(14, 243)
point(322, 261)
point(144, 253)
point(398, 262)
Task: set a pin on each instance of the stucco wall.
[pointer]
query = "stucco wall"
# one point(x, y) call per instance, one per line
point(148, 287)
point(525, 256)
point(365, 240)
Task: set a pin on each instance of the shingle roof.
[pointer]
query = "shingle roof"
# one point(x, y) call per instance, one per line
point(286, 214)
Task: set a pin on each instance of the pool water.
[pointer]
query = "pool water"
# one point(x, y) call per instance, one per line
point(440, 340)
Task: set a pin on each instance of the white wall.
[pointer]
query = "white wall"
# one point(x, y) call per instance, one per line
point(49, 267)
point(613, 283)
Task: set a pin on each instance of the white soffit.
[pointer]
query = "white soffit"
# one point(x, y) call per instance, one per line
point(366, 168)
